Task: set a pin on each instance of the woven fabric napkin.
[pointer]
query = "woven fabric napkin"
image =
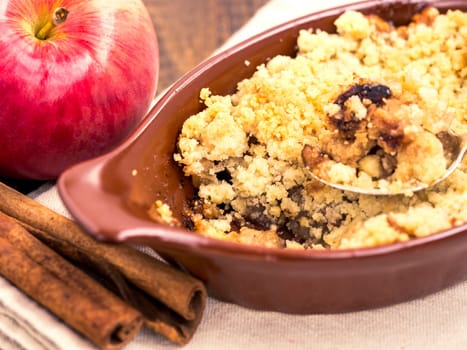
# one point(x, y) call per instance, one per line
point(438, 321)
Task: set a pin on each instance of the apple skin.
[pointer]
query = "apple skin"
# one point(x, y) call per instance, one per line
point(78, 93)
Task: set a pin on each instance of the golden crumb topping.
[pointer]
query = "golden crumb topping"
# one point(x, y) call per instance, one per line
point(368, 102)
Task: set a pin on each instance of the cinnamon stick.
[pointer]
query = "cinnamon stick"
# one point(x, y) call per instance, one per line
point(171, 301)
point(65, 290)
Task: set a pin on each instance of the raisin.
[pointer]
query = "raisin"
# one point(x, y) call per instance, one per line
point(296, 194)
point(252, 140)
point(286, 234)
point(376, 93)
point(347, 124)
point(224, 175)
point(345, 120)
point(300, 233)
point(256, 217)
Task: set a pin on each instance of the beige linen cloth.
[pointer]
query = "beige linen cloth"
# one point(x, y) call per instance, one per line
point(438, 321)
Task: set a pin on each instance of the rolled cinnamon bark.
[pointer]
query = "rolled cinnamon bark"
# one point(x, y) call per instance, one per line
point(171, 301)
point(65, 290)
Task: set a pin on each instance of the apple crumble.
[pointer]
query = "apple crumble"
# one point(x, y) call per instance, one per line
point(367, 104)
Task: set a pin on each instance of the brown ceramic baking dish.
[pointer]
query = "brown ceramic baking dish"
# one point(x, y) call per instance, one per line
point(109, 196)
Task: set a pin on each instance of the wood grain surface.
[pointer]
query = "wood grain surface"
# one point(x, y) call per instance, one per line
point(190, 30)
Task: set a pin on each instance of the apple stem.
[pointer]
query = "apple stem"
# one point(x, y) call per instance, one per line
point(58, 17)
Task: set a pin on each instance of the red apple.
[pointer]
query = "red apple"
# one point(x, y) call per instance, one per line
point(76, 76)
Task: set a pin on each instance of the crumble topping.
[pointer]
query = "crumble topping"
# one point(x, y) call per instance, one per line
point(372, 98)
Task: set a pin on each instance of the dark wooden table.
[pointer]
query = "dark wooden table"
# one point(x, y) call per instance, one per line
point(188, 32)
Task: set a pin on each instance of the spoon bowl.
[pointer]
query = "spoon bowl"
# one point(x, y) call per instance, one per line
point(455, 147)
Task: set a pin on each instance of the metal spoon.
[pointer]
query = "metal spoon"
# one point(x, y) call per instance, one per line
point(455, 149)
